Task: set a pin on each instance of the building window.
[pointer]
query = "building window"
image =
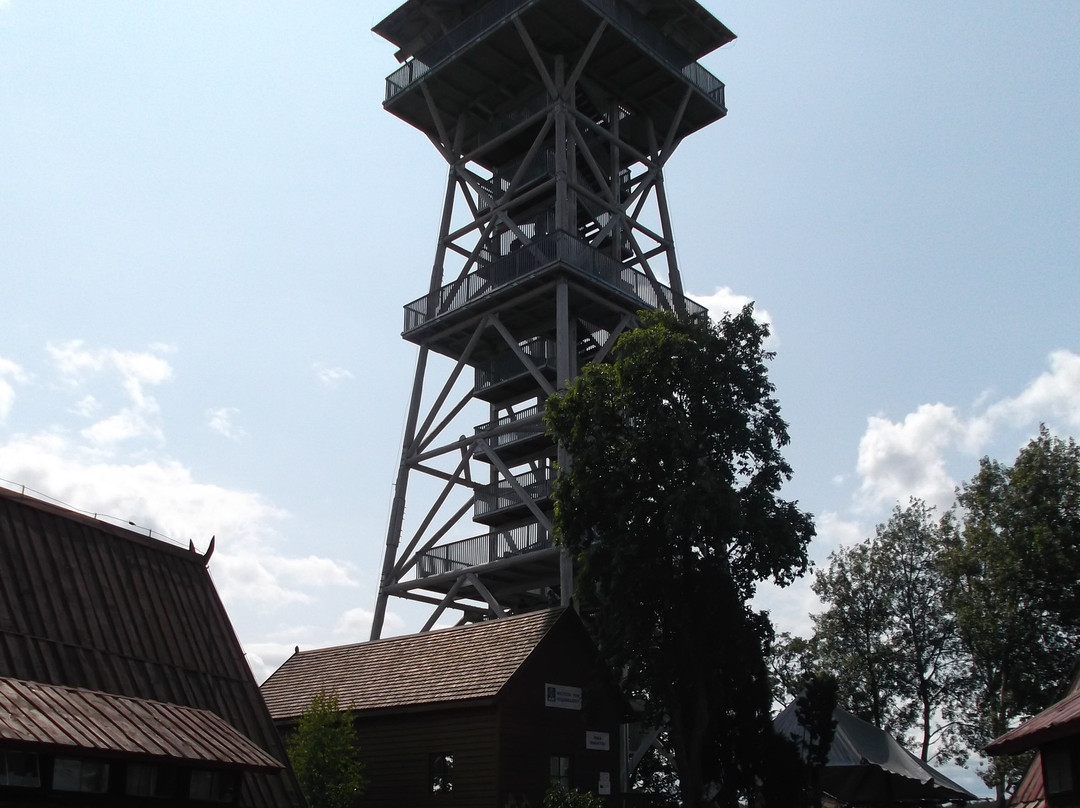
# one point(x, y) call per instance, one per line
point(442, 774)
point(213, 786)
point(147, 780)
point(85, 775)
point(1057, 769)
point(560, 771)
point(19, 769)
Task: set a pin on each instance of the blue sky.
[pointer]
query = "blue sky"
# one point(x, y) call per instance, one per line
point(208, 227)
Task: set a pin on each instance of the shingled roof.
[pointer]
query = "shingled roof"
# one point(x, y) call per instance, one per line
point(436, 668)
point(88, 604)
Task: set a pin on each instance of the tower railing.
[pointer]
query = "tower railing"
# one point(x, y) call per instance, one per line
point(620, 15)
point(506, 367)
point(544, 252)
point(527, 424)
point(483, 549)
point(501, 495)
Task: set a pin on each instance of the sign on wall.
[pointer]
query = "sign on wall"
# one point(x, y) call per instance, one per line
point(598, 740)
point(562, 696)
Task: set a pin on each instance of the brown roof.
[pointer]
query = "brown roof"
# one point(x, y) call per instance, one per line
point(91, 605)
point(70, 718)
point(1057, 721)
point(1031, 793)
point(435, 668)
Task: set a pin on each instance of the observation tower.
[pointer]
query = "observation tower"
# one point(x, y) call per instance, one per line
point(556, 119)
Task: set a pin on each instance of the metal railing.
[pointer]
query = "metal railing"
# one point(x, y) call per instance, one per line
point(483, 549)
point(622, 16)
point(470, 29)
point(500, 496)
point(545, 251)
point(529, 425)
point(508, 366)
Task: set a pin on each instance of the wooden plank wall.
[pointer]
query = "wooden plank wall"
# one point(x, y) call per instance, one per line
point(397, 751)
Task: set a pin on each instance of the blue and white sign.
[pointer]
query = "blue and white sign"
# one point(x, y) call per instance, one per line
point(562, 696)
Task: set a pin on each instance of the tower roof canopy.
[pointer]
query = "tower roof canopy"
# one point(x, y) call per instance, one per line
point(417, 23)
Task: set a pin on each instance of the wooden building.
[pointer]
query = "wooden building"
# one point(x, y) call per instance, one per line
point(120, 676)
point(1053, 778)
point(489, 714)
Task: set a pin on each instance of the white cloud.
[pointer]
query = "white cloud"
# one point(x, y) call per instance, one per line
point(223, 421)
point(901, 460)
point(330, 376)
point(726, 301)
point(834, 532)
point(140, 416)
point(164, 497)
point(9, 372)
point(898, 460)
point(127, 424)
point(1054, 394)
point(86, 407)
point(354, 624)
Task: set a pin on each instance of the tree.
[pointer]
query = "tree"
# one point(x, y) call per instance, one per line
point(815, 708)
point(852, 635)
point(790, 660)
point(670, 509)
point(1014, 557)
point(324, 753)
point(559, 796)
point(889, 634)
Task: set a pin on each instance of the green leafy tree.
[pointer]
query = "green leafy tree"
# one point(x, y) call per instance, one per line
point(852, 635)
point(1014, 558)
point(559, 796)
point(325, 755)
point(790, 660)
point(889, 634)
point(671, 511)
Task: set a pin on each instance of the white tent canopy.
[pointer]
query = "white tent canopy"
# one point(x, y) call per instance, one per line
point(867, 766)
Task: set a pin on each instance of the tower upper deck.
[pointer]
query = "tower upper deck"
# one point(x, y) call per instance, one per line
point(465, 64)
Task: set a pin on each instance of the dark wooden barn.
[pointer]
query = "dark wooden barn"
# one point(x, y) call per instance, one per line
point(120, 675)
point(489, 714)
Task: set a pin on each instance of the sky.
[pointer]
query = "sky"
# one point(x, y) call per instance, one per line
point(208, 228)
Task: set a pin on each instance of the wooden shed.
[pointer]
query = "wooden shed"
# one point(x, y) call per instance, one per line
point(489, 714)
point(120, 676)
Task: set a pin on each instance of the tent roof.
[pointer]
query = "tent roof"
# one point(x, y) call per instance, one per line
point(864, 761)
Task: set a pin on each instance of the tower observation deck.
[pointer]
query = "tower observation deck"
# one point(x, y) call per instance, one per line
point(556, 119)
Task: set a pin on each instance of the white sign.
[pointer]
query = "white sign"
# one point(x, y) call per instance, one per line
point(562, 696)
point(605, 783)
point(597, 740)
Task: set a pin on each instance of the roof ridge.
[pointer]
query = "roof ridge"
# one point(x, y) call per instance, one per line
point(555, 611)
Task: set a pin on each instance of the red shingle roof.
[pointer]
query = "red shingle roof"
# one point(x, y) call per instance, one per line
point(473, 662)
point(69, 718)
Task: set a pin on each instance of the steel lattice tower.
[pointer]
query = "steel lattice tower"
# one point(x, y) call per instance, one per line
point(556, 118)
